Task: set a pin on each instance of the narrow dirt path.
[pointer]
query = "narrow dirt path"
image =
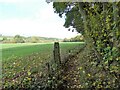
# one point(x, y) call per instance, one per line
point(71, 75)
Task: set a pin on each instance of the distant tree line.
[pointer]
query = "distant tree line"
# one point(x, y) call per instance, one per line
point(78, 38)
point(22, 39)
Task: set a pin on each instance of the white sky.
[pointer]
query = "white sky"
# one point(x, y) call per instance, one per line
point(31, 18)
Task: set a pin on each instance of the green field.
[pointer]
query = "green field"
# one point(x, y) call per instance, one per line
point(11, 51)
point(31, 58)
point(4, 46)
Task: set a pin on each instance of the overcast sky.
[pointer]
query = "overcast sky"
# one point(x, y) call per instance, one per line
point(31, 18)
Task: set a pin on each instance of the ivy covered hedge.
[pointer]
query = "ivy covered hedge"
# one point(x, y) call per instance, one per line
point(99, 23)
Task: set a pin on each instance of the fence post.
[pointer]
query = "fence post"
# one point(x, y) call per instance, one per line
point(56, 52)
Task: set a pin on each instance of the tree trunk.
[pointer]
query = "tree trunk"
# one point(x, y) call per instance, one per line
point(88, 40)
point(115, 13)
